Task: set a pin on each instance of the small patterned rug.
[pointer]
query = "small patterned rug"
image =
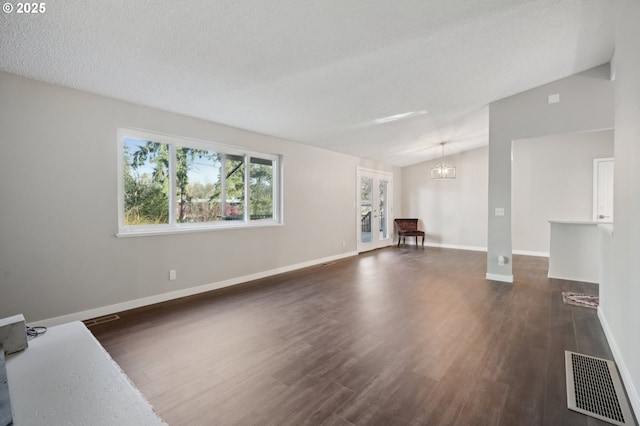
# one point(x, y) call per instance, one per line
point(580, 299)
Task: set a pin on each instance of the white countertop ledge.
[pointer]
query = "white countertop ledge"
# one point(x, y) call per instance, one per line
point(578, 222)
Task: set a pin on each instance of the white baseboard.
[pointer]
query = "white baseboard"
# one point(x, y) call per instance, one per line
point(477, 248)
point(581, 279)
point(145, 301)
point(500, 277)
point(632, 392)
point(531, 253)
point(455, 246)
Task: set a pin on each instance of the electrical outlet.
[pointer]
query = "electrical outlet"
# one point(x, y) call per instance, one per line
point(501, 260)
point(172, 275)
point(344, 244)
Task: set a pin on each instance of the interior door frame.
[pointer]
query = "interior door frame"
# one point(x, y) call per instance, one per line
point(376, 242)
point(596, 181)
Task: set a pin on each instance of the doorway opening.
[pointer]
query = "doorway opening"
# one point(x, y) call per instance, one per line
point(374, 209)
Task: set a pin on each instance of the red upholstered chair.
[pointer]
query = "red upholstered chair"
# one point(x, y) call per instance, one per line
point(408, 228)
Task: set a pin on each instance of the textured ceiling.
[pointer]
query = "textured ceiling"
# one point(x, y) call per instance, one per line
point(321, 72)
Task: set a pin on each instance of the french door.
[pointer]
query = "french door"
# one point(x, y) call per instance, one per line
point(374, 209)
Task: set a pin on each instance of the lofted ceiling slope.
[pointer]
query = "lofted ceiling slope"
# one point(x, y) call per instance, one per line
point(323, 73)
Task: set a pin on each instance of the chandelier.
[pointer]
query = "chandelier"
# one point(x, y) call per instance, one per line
point(442, 170)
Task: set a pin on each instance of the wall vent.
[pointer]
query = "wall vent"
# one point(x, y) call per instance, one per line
point(594, 388)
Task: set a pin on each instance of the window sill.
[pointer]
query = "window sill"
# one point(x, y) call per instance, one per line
point(188, 228)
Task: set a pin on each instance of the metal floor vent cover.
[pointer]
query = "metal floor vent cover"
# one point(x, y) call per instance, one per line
point(594, 389)
point(101, 320)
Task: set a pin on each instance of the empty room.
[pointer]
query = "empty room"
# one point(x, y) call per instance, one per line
point(330, 213)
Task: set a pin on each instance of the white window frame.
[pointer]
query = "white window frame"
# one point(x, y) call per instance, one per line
point(173, 227)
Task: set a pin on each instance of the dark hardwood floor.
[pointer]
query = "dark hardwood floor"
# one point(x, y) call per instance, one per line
point(399, 336)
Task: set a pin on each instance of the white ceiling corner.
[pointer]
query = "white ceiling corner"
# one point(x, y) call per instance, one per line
point(319, 73)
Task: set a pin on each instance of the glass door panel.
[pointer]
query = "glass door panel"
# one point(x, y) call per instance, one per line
point(366, 209)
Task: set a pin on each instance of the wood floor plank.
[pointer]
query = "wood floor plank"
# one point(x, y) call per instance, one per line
point(448, 398)
point(405, 335)
point(314, 414)
point(486, 405)
point(336, 421)
point(389, 394)
point(401, 406)
point(301, 403)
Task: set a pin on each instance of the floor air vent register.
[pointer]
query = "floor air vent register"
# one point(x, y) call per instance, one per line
point(594, 389)
point(101, 320)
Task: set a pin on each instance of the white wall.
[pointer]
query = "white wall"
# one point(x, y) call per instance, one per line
point(586, 104)
point(552, 178)
point(453, 213)
point(620, 286)
point(58, 215)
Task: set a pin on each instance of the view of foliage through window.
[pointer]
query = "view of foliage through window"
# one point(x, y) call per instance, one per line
point(210, 186)
point(146, 184)
point(260, 188)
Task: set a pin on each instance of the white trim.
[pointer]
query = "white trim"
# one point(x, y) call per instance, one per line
point(475, 248)
point(607, 228)
point(120, 177)
point(581, 279)
point(594, 189)
point(364, 169)
point(173, 200)
point(183, 228)
point(575, 222)
point(531, 253)
point(173, 227)
point(632, 392)
point(179, 141)
point(451, 246)
point(596, 178)
point(150, 300)
point(500, 277)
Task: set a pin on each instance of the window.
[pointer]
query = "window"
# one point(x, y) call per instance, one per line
point(170, 184)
